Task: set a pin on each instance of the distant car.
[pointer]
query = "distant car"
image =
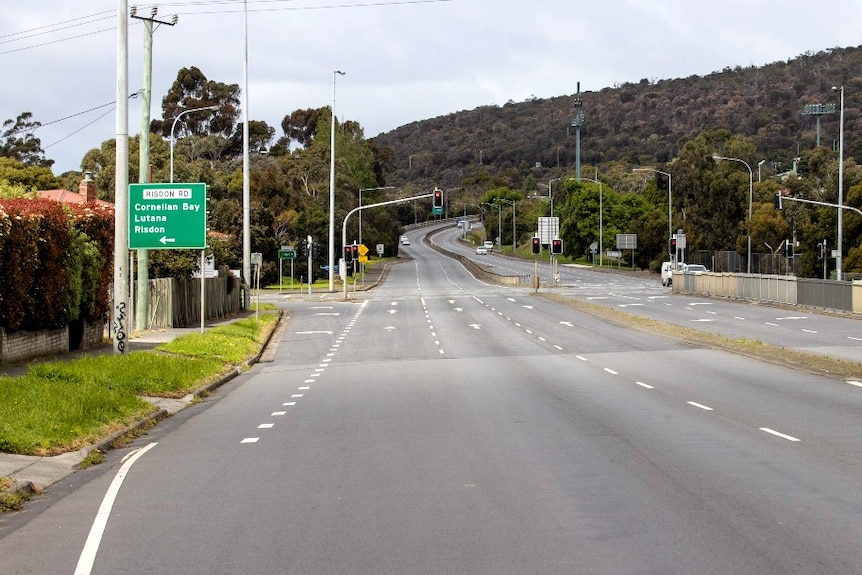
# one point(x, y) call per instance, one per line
point(695, 269)
point(482, 251)
point(405, 241)
point(488, 245)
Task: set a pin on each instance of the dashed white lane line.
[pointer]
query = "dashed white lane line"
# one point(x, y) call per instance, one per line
point(266, 426)
point(304, 388)
point(250, 440)
point(277, 413)
point(610, 371)
point(644, 385)
point(296, 395)
point(700, 406)
point(289, 403)
point(582, 358)
point(779, 434)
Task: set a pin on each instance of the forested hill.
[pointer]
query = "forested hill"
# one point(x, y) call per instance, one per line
point(642, 123)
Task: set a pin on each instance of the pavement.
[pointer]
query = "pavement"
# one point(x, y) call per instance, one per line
point(33, 474)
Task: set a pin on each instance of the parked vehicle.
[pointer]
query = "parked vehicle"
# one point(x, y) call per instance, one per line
point(667, 272)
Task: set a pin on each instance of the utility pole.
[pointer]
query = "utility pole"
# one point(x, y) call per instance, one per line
point(121, 183)
point(142, 302)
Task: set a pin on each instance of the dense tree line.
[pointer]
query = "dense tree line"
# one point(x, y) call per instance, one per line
point(513, 152)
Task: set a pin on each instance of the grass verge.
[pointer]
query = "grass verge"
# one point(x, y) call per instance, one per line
point(815, 363)
point(64, 406)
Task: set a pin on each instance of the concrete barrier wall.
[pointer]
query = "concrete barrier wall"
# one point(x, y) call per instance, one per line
point(779, 289)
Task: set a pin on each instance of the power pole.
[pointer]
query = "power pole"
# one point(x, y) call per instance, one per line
point(121, 183)
point(142, 302)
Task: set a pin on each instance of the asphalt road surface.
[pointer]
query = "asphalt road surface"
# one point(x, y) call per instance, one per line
point(437, 424)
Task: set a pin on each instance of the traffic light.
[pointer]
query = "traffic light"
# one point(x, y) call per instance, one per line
point(315, 251)
point(821, 249)
point(354, 250)
point(348, 253)
point(788, 249)
point(438, 198)
point(557, 247)
point(777, 201)
point(303, 249)
point(536, 245)
point(672, 247)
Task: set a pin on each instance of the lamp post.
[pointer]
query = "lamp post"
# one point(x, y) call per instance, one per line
point(335, 73)
point(360, 204)
point(174, 125)
point(512, 203)
point(750, 196)
point(669, 204)
point(759, 164)
point(551, 195)
point(499, 209)
point(838, 247)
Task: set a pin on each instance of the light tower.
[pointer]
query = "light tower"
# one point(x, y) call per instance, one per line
point(577, 122)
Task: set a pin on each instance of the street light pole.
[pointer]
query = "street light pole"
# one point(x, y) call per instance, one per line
point(750, 197)
point(173, 127)
point(332, 188)
point(512, 202)
point(838, 246)
point(669, 203)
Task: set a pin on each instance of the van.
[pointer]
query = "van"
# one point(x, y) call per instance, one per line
point(488, 245)
point(667, 272)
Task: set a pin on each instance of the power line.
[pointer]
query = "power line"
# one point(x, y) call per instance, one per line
point(65, 25)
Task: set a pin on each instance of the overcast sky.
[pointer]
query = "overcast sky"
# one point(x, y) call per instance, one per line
point(404, 60)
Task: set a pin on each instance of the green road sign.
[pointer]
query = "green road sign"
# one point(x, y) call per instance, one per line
point(437, 211)
point(167, 216)
point(287, 254)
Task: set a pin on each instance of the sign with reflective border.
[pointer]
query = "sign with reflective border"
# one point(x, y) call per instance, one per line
point(168, 216)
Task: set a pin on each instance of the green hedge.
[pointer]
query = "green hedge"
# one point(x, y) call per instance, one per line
point(55, 263)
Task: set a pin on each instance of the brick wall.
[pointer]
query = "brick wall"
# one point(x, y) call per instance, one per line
point(24, 345)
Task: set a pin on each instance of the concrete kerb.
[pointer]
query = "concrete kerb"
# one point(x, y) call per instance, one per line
point(33, 474)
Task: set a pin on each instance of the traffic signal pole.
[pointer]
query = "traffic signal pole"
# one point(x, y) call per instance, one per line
point(342, 264)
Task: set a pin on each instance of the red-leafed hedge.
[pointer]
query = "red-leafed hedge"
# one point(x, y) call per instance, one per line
point(47, 255)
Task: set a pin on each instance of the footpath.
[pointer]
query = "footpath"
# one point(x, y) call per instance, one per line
point(33, 474)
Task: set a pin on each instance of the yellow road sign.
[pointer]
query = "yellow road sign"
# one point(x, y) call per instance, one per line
point(363, 249)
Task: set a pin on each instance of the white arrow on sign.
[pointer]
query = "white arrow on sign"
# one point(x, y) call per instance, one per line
point(166, 240)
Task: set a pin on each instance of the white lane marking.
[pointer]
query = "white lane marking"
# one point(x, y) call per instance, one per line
point(791, 317)
point(854, 338)
point(94, 539)
point(646, 385)
point(582, 358)
point(277, 413)
point(542, 339)
point(328, 313)
point(322, 307)
point(313, 332)
point(700, 405)
point(558, 347)
point(289, 403)
point(704, 320)
point(779, 434)
point(308, 381)
point(567, 323)
point(739, 318)
point(854, 382)
point(476, 325)
point(527, 306)
point(304, 388)
point(250, 440)
point(265, 426)
point(770, 323)
point(510, 299)
point(610, 371)
point(809, 331)
point(296, 395)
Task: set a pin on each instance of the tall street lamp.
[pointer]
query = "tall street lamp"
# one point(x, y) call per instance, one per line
point(669, 213)
point(335, 73)
point(838, 248)
point(512, 203)
point(360, 204)
point(499, 209)
point(750, 196)
point(174, 125)
point(601, 215)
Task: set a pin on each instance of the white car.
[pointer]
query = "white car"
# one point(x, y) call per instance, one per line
point(405, 241)
point(695, 269)
point(482, 251)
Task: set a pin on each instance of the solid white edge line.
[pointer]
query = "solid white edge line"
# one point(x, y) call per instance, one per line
point(779, 434)
point(94, 539)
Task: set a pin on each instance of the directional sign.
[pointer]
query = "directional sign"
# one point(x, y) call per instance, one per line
point(287, 254)
point(167, 216)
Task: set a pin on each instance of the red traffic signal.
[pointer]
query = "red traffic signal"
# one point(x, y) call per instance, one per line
point(672, 246)
point(438, 198)
point(355, 251)
point(536, 245)
point(557, 247)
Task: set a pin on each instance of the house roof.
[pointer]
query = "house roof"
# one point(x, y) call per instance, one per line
point(68, 197)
